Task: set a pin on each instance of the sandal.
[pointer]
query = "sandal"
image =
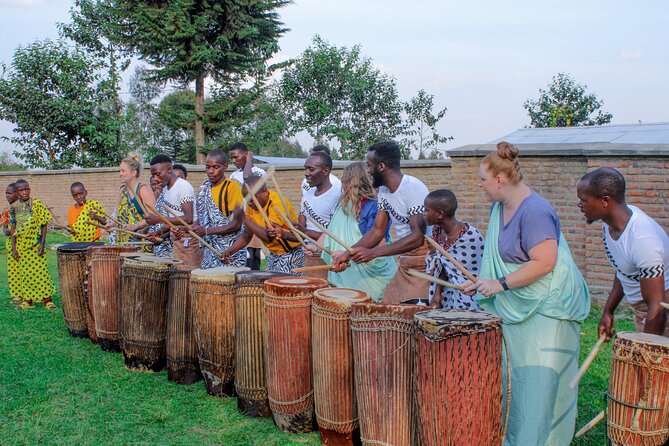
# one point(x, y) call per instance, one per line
point(16, 301)
point(50, 306)
point(24, 306)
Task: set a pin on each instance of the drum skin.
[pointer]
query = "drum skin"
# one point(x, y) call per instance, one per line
point(183, 366)
point(250, 382)
point(143, 312)
point(212, 291)
point(334, 383)
point(105, 284)
point(637, 410)
point(71, 259)
point(458, 377)
point(384, 354)
point(288, 351)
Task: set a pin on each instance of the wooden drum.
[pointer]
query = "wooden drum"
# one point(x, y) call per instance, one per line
point(182, 362)
point(458, 377)
point(638, 396)
point(71, 276)
point(88, 298)
point(214, 324)
point(104, 279)
point(383, 354)
point(334, 383)
point(288, 351)
point(143, 311)
point(250, 383)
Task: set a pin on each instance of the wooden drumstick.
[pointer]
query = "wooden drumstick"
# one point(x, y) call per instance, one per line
point(133, 233)
point(591, 424)
point(263, 214)
point(664, 305)
point(327, 232)
point(259, 185)
point(588, 361)
point(62, 226)
point(304, 269)
point(415, 273)
point(188, 228)
point(451, 259)
point(107, 216)
point(301, 235)
point(297, 233)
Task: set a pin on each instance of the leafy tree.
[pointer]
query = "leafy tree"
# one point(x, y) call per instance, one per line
point(420, 132)
point(335, 93)
point(188, 40)
point(59, 102)
point(565, 104)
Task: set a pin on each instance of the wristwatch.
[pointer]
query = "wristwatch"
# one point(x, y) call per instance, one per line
point(502, 281)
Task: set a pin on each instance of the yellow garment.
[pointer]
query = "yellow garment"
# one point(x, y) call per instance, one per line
point(276, 246)
point(34, 282)
point(77, 218)
point(227, 195)
point(12, 265)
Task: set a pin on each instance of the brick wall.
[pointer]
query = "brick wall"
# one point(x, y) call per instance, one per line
point(555, 177)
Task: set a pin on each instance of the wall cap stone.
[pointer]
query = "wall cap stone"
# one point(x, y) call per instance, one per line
point(580, 149)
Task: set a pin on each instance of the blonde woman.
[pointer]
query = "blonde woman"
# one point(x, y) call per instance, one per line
point(133, 197)
point(529, 278)
point(350, 222)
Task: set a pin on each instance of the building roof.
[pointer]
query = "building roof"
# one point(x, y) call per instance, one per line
point(651, 133)
point(650, 139)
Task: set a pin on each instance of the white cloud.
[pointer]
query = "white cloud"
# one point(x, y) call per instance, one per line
point(631, 55)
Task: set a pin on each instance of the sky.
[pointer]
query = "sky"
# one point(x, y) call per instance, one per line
point(482, 60)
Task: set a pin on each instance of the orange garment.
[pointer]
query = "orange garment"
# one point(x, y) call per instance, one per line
point(277, 246)
point(73, 215)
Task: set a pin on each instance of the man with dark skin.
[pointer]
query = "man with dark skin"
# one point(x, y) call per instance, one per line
point(177, 195)
point(317, 173)
point(641, 269)
point(219, 211)
point(401, 198)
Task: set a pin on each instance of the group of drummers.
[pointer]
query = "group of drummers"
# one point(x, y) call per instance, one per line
point(521, 271)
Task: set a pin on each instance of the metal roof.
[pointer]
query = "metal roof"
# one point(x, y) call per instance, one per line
point(278, 159)
point(651, 133)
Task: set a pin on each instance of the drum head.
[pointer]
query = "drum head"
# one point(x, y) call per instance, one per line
point(344, 295)
point(294, 281)
point(148, 260)
point(77, 246)
point(257, 276)
point(219, 274)
point(644, 338)
point(445, 323)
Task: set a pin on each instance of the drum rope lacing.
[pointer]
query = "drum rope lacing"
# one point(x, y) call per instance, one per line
point(349, 423)
point(389, 323)
point(289, 403)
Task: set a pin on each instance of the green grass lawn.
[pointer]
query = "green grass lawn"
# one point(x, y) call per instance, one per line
point(55, 389)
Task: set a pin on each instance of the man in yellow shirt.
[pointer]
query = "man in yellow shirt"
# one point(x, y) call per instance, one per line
point(219, 212)
point(83, 210)
point(285, 254)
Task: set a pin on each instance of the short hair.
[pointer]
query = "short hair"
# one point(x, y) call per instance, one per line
point(504, 160)
point(12, 185)
point(251, 180)
point(320, 148)
point(17, 182)
point(161, 158)
point(77, 184)
point(324, 157)
point(239, 146)
point(443, 200)
point(388, 152)
point(218, 153)
point(606, 181)
point(180, 167)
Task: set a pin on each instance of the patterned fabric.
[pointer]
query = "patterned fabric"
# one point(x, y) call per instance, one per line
point(12, 265)
point(468, 250)
point(82, 231)
point(29, 217)
point(165, 249)
point(285, 263)
point(210, 216)
point(127, 214)
point(644, 273)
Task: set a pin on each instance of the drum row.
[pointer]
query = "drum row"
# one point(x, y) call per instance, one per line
point(293, 348)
